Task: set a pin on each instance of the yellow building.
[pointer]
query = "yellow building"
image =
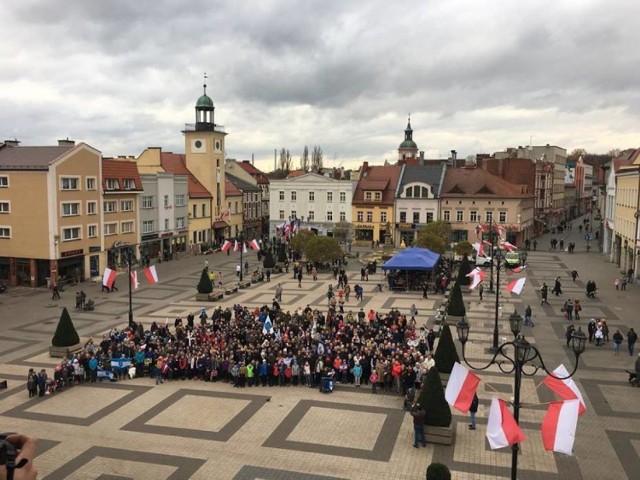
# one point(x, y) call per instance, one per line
point(233, 214)
point(625, 246)
point(50, 213)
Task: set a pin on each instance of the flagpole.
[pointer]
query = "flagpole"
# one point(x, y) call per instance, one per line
point(130, 299)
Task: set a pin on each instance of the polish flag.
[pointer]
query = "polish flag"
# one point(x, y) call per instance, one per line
point(226, 245)
point(516, 270)
point(134, 280)
point(502, 428)
point(151, 274)
point(559, 426)
point(508, 246)
point(486, 243)
point(478, 276)
point(516, 286)
point(254, 245)
point(244, 247)
point(478, 248)
point(461, 388)
point(108, 277)
point(566, 389)
point(236, 246)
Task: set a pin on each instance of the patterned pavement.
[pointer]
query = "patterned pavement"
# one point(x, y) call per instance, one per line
point(188, 429)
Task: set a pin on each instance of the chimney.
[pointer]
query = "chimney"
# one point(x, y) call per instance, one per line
point(252, 159)
point(454, 158)
point(66, 143)
point(12, 143)
point(421, 157)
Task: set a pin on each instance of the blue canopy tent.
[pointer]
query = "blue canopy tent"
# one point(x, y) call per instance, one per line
point(410, 259)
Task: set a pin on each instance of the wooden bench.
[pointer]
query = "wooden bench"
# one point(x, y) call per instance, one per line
point(230, 289)
point(244, 284)
point(216, 295)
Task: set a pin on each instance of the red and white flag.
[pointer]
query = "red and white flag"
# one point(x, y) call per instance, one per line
point(566, 389)
point(478, 248)
point(516, 286)
point(486, 243)
point(151, 274)
point(254, 245)
point(226, 246)
point(508, 246)
point(461, 388)
point(134, 280)
point(108, 277)
point(478, 277)
point(502, 429)
point(244, 247)
point(516, 270)
point(559, 426)
point(236, 246)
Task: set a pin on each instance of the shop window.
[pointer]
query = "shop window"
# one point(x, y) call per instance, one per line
point(403, 217)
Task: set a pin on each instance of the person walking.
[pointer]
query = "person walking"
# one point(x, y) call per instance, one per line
point(300, 277)
point(574, 275)
point(544, 292)
point(617, 341)
point(418, 414)
point(557, 287)
point(279, 293)
point(55, 292)
point(568, 308)
point(569, 333)
point(481, 290)
point(632, 337)
point(238, 269)
point(472, 412)
point(528, 322)
point(623, 283)
point(577, 308)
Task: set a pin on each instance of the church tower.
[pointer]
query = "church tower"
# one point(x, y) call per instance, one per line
point(204, 153)
point(408, 148)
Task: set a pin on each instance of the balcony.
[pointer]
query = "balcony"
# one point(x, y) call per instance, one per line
point(203, 127)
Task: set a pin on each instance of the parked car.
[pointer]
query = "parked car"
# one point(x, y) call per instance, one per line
point(483, 261)
point(512, 259)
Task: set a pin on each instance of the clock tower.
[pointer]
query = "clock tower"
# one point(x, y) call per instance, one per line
point(204, 153)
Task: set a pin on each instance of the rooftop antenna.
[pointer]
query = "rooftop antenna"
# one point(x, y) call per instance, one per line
point(205, 83)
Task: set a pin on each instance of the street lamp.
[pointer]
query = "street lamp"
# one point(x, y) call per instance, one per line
point(497, 258)
point(129, 260)
point(519, 353)
point(240, 240)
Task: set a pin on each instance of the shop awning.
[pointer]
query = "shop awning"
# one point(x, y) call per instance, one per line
point(412, 259)
point(219, 224)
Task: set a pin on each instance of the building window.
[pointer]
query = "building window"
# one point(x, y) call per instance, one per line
point(166, 224)
point(367, 196)
point(473, 216)
point(416, 217)
point(180, 201)
point(180, 222)
point(204, 209)
point(488, 216)
point(429, 217)
point(4, 182)
point(110, 228)
point(126, 205)
point(378, 196)
point(343, 217)
point(503, 217)
point(329, 197)
point(147, 201)
point(403, 217)
point(383, 216)
point(126, 227)
point(360, 216)
point(281, 214)
point(110, 207)
point(369, 216)
point(92, 231)
point(92, 207)
point(69, 183)
point(148, 226)
point(71, 233)
point(70, 209)
point(312, 215)
point(112, 184)
point(329, 216)
point(294, 196)
point(294, 214)
point(166, 201)
point(459, 215)
point(5, 207)
point(91, 183)
point(5, 232)
point(195, 211)
point(446, 215)
point(343, 197)
point(312, 196)
point(129, 184)
point(281, 195)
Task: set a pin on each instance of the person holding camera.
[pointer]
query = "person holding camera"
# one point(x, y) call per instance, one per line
point(24, 448)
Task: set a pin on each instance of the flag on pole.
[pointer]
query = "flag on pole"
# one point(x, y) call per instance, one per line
point(108, 277)
point(254, 245)
point(151, 274)
point(566, 389)
point(559, 426)
point(134, 280)
point(516, 270)
point(516, 286)
point(461, 388)
point(508, 246)
point(244, 247)
point(268, 326)
point(236, 246)
point(502, 429)
point(478, 248)
point(226, 245)
point(478, 276)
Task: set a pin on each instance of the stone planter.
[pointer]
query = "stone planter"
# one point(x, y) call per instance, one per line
point(202, 297)
point(60, 352)
point(438, 435)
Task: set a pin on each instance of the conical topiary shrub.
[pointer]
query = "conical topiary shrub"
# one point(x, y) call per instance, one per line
point(66, 335)
point(446, 354)
point(432, 400)
point(282, 253)
point(456, 302)
point(268, 261)
point(204, 285)
point(464, 270)
point(438, 471)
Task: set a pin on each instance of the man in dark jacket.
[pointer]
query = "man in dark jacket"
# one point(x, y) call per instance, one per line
point(418, 414)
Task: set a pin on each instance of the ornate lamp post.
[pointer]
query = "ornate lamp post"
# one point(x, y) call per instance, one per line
point(240, 239)
point(129, 260)
point(517, 355)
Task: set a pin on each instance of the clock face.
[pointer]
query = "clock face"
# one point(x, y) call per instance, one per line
point(218, 145)
point(198, 146)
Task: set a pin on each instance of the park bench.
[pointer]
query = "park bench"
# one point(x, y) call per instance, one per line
point(244, 284)
point(216, 295)
point(230, 289)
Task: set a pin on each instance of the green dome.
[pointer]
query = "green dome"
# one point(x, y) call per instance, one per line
point(408, 144)
point(204, 101)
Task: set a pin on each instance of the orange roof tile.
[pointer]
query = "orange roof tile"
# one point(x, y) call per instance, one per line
point(176, 163)
point(378, 178)
point(120, 170)
point(475, 182)
point(260, 177)
point(230, 190)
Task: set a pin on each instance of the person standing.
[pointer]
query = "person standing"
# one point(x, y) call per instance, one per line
point(574, 275)
point(617, 341)
point(219, 279)
point(632, 337)
point(300, 277)
point(577, 308)
point(418, 414)
point(481, 290)
point(544, 292)
point(473, 409)
point(238, 269)
point(279, 292)
point(528, 322)
point(55, 292)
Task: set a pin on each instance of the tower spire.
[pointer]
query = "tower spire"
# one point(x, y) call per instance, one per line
point(205, 83)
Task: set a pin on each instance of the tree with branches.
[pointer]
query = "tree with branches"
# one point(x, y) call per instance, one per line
point(316, 159)
point(304, 160)
point(342, 231)
point(285, 160)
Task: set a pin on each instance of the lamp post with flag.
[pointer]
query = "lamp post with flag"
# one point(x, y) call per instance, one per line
point(240, 244)
point(518, 357)
point(129, 261)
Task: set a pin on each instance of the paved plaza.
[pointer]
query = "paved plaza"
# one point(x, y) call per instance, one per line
point(189, 429)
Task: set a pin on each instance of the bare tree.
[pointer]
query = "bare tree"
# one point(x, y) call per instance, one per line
point(316, 159)
point(285, 160)
point(304, 159)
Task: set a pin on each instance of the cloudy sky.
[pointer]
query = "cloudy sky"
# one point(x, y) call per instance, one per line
point(476, 75)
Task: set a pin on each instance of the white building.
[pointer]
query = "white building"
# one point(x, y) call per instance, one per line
point(318, 201)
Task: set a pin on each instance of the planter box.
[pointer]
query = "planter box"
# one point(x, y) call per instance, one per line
point(202, 297)
point(60, 352)
point(438, 435)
